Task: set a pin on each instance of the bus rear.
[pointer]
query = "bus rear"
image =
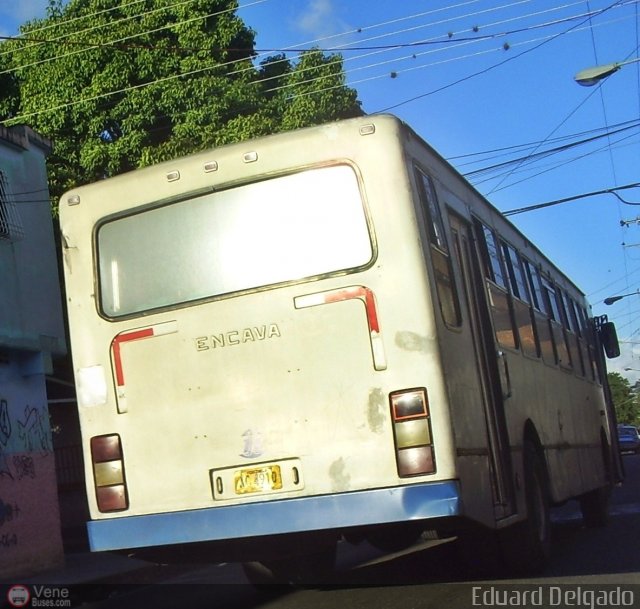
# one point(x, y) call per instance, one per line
point(254, 343)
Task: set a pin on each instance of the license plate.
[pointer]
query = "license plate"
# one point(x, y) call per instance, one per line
point(258, 480)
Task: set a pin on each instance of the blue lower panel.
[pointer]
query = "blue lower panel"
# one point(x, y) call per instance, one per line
point(379, 506)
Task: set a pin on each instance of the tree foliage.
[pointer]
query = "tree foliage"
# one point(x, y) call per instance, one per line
point(118, 84)
point(625, 399)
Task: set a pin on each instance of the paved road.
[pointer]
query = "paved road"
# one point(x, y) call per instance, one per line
point(608, 559)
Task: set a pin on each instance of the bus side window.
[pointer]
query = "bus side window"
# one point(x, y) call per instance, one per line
point(573, 334)
point(501, 309)
point(540, 314)
point(441, 260)
point(494, 270)
point(588, 333)
point(521, 301)
point(583, 338)
point(555, 316)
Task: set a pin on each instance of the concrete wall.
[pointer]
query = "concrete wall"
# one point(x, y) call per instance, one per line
point(31, 333)
point(30, 537)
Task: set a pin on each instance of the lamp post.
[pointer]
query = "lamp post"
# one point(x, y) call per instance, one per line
point(592, 76)
point(611, 299)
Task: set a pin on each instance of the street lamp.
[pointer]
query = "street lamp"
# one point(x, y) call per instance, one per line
point(612, 299)
point(592, 76)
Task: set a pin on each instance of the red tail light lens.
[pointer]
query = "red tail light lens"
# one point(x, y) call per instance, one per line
point(108, 473)
point(412, 432)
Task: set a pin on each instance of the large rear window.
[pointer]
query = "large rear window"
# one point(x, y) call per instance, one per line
point(282, 229)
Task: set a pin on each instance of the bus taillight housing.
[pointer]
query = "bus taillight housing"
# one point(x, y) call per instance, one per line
point(108, 473)
point(412, 432)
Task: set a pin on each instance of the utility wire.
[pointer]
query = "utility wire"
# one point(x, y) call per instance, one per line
point(521, 168)
point(344, 47)
point(312, 80)
point(207, 68)
point(488, 69)
point(40, 41)
point(395, 73)
point(606, 287)
point(303, 46)
point(612, 191)
point(165, 79)
point(549, 151)
point(562, 122)
point(113, 43)
point(505, 151)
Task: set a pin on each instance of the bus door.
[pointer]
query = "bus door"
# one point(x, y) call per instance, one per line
point(492, 367)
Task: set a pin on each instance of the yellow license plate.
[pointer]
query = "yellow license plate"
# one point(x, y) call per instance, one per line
point(258, 480)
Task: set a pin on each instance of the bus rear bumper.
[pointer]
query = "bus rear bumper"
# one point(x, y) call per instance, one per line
point(339, 511)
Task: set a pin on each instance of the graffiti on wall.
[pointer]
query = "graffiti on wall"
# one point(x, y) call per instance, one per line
point(32, 426)
point(33, 432)
point(5, 422)
point(5, 435)
point(21, 436)
point(8, 513)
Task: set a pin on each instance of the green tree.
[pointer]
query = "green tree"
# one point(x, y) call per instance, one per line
point(117, 84)
point(625, 399)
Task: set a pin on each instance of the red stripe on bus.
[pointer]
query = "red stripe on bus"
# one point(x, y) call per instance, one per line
point(115, 349)
point(364, 294)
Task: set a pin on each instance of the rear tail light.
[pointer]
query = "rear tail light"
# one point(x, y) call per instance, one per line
point(108, 473)
point(412, 432)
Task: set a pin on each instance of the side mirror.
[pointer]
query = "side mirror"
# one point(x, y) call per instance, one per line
point(609, 339)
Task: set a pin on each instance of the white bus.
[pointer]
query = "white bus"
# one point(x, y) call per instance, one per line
point(326, 334)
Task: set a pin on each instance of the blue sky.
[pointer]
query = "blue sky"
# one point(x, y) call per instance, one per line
point(472, 76)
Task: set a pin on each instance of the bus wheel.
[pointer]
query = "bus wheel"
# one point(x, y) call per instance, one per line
point(395, 538)
point(263, 577)
point(479, 553)
point(527, 545)
point(305, 570)
point(594, 505)
point(312, 568)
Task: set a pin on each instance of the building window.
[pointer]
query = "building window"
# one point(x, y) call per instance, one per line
point(10, 223)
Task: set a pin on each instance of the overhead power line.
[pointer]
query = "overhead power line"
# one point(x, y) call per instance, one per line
point(611, 191)
point(172, 77)
point(119, 44)
point(40, 41)
point(525, 164)
point(113, 44)
point(218, 65)
point(311, 80)
point(550, 151)
point(443, 39)
point(438, 40)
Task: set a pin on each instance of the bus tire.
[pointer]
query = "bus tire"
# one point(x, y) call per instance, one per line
point(395, 538)
point(262, 577)
point(479, 553)
point(305, 570)
point(594, 505)
point(527, 545)
point(311, 569)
